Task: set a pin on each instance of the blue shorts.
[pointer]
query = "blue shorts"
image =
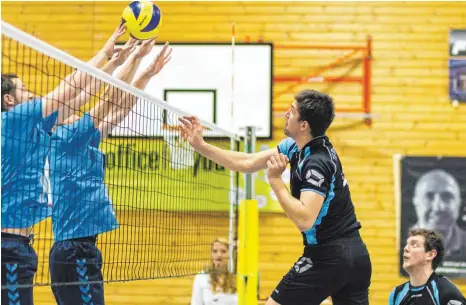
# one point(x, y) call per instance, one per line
point(77, 263)
point(19, 264)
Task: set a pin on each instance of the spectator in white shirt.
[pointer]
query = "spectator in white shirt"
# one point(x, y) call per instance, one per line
point(216, 286)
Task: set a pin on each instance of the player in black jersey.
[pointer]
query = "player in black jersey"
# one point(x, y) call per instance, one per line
point(422, 254)
point(335, 261)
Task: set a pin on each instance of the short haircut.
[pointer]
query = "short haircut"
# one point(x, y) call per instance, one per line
point(317, 109)
point(433, 241)
point(7, 86)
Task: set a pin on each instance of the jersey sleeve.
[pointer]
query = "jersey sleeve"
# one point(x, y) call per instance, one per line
point(50, 121)
point(80, 132)
point(316, 176)
point(95, 138)
point(23, 118)
point(449, 293)
point(287, 147)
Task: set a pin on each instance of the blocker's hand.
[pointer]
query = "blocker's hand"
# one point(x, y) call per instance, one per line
point(120, 57)
point(109, 47)
point(276, 166)
point(160, 61)
point(145, 47)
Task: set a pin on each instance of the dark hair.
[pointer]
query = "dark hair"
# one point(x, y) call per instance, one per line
point(433, 241)
point(317, 109)
point(7, 86)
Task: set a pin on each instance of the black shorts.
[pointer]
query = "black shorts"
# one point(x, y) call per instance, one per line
point(341, 269)
point(77, 262)
point(19, 265)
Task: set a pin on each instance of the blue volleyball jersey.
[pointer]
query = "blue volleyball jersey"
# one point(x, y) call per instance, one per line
point(81, 206)
point(437, 291)
point(25, 145)
point(317, 168)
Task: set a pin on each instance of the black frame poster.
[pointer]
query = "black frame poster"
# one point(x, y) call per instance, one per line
point(432, 193)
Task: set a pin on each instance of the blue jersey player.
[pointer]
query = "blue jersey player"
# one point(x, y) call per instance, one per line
point(25, 144)
point(82, 208)
point(422, 254)
point(26, 124)
point(335, 261)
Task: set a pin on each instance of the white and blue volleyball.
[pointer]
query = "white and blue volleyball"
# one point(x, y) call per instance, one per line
point(143, 19)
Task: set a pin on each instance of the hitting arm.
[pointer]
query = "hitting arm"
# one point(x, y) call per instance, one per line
point(235, 161)
point(302, 212)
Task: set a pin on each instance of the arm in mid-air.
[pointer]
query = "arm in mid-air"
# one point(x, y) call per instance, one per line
point(126, 103)
point(94, 85)
point(235, 161)
point(303, 211)
point(111, 94)
point(72, 85)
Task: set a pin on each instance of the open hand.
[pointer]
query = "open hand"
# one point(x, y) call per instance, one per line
point(191, 130)
point(109, 47)
point(145, 47)
point(120, 57)
point(160, 61)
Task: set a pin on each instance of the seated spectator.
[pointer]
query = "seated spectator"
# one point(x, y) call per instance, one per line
point(217, 286)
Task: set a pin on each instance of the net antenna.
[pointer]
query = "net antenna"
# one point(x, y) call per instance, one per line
point(348, 53)
point(233, 194)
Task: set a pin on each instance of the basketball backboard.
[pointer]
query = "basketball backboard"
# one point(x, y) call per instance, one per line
point(198, 80)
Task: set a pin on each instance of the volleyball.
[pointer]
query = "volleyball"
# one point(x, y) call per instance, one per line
point(143, 19)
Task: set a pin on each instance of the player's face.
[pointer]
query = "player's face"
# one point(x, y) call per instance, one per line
point(220, 255)
point(292, 125)
point(414, 254)
point(20, 94)
point(437, 202)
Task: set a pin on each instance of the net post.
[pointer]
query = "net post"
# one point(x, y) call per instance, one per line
point(249, 146)
point(231, 266)
point(248, 245)
point(234, 190)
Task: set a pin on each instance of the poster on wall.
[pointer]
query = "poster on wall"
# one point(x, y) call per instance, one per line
point(432, 194)
point(457, 65)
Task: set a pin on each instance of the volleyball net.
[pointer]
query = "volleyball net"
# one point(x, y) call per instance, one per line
point(103, 158)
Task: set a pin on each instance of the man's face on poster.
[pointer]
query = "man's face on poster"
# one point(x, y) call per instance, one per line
point(437, 200)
